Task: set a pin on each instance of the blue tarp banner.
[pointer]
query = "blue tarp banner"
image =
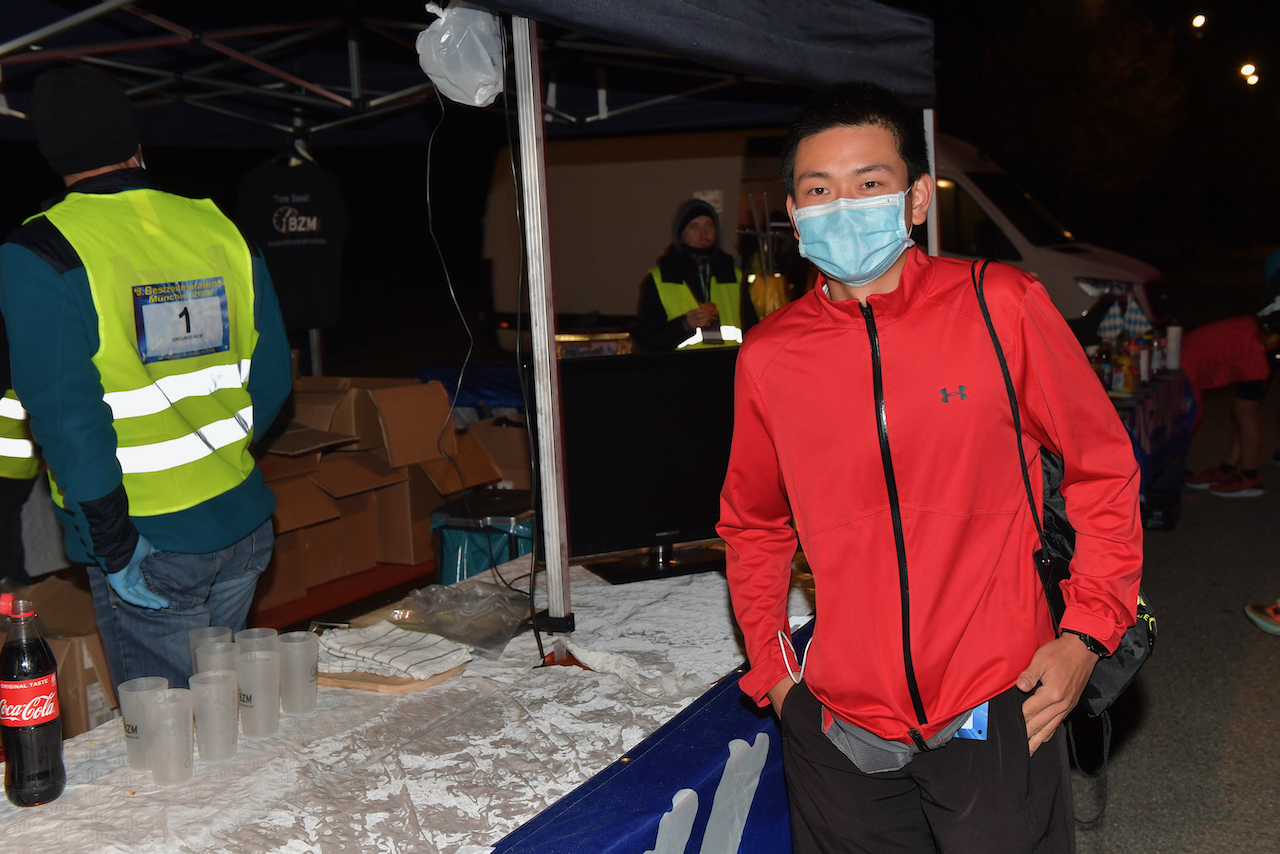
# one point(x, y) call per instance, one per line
point(710, 780)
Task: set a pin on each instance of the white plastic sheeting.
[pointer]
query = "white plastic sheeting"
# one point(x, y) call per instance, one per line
point(444, 770)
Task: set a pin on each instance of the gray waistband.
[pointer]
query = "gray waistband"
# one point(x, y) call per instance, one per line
point(873, 754)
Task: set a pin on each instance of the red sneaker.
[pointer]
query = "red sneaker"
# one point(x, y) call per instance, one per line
point(1238, 486)
point(1209, 477)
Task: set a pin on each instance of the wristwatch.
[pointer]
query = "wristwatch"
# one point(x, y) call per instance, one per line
point(1090, 643)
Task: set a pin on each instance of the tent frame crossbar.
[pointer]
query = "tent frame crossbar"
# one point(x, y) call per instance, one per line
point(356, 104)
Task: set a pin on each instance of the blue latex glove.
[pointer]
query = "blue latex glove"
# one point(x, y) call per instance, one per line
point(129, 584)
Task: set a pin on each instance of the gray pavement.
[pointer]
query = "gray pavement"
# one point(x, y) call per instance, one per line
point(1195, 763)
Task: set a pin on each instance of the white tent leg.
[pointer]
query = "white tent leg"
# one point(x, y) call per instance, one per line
point(930, 139)
point(542, 315)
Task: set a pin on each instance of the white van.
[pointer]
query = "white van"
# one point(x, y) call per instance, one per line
point(611, 201)
point(982, 213)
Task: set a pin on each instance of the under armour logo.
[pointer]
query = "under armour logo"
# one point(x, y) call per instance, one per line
point(947, 395)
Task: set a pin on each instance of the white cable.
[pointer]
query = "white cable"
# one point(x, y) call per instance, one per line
point(784, 643)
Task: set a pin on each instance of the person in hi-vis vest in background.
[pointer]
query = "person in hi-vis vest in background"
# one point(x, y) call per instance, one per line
point(147, 346)
point(693, 298)
point(19, 466)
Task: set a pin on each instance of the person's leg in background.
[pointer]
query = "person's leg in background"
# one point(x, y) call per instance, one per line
point(13, 494)
point(1246, 444)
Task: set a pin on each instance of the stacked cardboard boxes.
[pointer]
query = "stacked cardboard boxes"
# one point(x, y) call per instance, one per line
point(356, 476)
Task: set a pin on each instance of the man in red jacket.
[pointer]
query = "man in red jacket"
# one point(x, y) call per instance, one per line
point(872, 415)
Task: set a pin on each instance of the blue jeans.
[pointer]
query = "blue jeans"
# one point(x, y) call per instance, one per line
point(203, 590)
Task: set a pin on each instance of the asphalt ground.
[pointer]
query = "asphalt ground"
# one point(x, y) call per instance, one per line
point(1195, 763)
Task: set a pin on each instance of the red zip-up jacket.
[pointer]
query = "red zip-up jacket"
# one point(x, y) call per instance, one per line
point(911, 634)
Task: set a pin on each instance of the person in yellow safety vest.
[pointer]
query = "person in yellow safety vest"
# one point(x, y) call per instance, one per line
point(146, 344)
point(693, 299)
point(19, 466)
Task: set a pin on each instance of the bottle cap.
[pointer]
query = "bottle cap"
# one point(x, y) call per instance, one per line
point(6, 604)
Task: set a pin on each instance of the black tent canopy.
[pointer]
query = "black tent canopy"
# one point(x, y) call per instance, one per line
point(344, 72)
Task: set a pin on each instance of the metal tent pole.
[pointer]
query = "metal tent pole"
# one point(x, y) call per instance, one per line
point(542, 318)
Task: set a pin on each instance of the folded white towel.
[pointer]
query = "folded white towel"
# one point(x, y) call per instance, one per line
point(387, 650)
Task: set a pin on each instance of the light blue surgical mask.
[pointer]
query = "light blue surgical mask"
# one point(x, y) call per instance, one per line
point(854, 241)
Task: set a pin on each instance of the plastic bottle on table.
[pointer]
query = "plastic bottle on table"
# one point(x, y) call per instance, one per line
point(30, 719)
point(1105, 364)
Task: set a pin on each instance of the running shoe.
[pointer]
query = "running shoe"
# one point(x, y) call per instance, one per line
point(1209, 477)
point(1265, 617)
point(1239, 485)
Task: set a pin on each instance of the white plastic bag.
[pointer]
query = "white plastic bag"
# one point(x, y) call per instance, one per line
point(462, 53)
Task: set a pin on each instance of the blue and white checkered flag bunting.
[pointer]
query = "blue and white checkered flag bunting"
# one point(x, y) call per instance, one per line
point(1112, 323)
point(1135, 321)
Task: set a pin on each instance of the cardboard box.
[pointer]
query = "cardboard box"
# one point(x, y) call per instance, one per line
point(415, 423)
point(306, 527)
point(85, 693)
point(352, 480)
point(404, 517)
point(343, 405)
point(470, 466)
point(506, 438)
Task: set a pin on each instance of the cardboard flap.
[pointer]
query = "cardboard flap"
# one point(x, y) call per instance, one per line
point(412, 418)
point(471, 461)
point(295, 443)
point(315, 408)
point(278, 466)
point(349, 474)
point(300, 502)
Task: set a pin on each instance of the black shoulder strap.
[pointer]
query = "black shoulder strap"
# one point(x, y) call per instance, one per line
point(1046, 568)
point(1008, 385)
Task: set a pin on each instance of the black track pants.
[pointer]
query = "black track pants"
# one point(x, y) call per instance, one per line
point(968, 797)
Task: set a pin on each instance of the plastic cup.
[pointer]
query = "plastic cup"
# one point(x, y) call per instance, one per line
point(299, 666)
point(169, 735)
point(259, 675)
point(216, 705)
point(217, 656)
point(135, 723)
point(257, 640)
point(200, 637)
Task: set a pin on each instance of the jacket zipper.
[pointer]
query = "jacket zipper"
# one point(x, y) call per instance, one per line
point(882, 422)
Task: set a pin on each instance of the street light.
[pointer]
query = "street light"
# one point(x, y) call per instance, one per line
point(1198, 21)
point(1252, 80)
point(1247, 69)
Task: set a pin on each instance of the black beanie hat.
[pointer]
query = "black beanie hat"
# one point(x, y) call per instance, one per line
point(83, 120)
point(691, 210)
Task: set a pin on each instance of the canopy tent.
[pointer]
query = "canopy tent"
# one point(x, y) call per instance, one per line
point(266, 72)
point(243, 74)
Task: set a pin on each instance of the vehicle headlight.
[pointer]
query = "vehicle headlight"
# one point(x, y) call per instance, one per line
point(1102, 287)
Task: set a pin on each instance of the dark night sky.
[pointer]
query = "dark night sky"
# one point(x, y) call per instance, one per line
point(1137, 131)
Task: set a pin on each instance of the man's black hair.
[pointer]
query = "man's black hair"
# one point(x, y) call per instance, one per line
point(857, 105)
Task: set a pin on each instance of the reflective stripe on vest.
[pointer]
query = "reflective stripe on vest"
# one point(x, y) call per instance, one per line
point(678, 300)
point(180, 403)
point(18, 460)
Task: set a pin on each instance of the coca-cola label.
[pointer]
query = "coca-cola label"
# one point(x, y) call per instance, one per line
point(29, 702)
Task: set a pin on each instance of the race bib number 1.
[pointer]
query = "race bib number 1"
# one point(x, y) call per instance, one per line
point(177, 320)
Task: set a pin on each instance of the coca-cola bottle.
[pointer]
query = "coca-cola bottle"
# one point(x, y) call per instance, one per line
point(30, 721)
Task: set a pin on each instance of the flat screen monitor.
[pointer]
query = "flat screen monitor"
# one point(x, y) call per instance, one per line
point(646, 445)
